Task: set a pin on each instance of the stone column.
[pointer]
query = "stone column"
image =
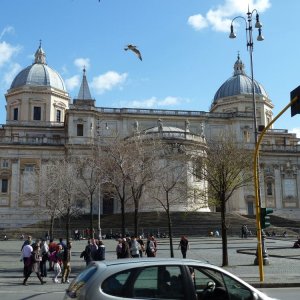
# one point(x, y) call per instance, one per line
point(15, 187)
point(298, 186)
point(278, 187)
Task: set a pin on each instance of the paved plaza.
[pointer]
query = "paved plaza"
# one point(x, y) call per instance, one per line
point(282, 271)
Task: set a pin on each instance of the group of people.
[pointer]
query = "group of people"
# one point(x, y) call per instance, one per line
point(36, 254)
point(94, 251)
point(136, 247)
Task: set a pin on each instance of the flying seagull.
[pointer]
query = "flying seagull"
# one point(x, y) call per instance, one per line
point(134, 49)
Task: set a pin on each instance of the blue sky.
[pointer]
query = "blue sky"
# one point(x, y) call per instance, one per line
point(186, 51)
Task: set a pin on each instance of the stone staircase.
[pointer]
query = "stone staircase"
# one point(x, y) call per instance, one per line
point(184, 223)
point(190, 224)
point(280, 224)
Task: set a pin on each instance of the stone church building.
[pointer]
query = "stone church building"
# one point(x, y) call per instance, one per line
point(42, 121)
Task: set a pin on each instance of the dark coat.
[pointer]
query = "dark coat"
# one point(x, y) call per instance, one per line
point(125, 250)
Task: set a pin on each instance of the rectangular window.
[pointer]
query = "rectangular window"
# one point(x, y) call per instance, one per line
point(58, 115)
point(246, 136)
point(269, 189)
point(4, 163)
point(16, 114)
point(198, 171)
point(79, 129)
point(36, 113)
point(29, 180)
point(29, 168)
point(4, 185)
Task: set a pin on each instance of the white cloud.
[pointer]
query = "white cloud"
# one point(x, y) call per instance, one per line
point(169, 101)
point(7, 29)
point(219, 18)
point(297, 131)
point(9, 76)
point(108, 81)
point(198, 22)
point(6, 52)
point(155, 102)
point(81, 63)
point(72, 82)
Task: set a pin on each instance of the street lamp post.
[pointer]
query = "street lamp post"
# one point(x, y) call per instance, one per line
point(249, 39)
point(99, 185)
point(100, 182)
point(99, 212)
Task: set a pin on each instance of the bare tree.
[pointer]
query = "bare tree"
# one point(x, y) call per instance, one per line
point(115, 158)
point(49, 193)
point(226, 168)
point(89, 176)
point(170, 185)
point(63, 177)
point(142, 157)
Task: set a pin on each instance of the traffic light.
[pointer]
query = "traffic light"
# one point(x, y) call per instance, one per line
point(295, 107)
point(264, 218)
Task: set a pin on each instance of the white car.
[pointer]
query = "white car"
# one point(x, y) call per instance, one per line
point(159, 278)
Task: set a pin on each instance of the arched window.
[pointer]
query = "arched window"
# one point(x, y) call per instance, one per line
point(269, 189)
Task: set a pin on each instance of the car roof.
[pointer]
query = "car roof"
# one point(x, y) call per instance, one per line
point(151, 261)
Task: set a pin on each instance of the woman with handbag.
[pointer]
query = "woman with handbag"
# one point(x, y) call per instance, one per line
point(34, 266)
point(57, 257)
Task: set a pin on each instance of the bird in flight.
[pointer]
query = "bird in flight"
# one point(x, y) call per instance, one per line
point(134, 49)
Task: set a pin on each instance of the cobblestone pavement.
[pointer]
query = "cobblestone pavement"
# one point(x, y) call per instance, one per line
point(283, 269)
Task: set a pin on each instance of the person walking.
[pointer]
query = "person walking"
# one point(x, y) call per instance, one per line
point(135, 247)
point(57, 257)
point(52, 247)
point(66, 262)
point(94, 248)
point(125, 249)
point(34, 265)
point(26, 257)
point(45, 257)
point(150, 247)
point(100, 254)
point(142, 245)
point(244, 231)
point(86, 254)
point(183, 246)
point(27, 242)
point(119, 248)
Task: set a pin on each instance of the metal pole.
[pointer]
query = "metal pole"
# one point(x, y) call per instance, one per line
point(99, 213)
point(249, 38)
point(256, 158)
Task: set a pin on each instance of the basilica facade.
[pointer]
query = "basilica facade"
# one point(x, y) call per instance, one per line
point(43, 122)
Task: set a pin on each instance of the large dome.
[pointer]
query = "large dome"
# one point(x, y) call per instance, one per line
point(238, 84)
point(39, 74)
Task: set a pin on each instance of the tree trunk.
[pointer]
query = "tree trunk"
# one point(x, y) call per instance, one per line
point(123, 217)
point(91, 218)
point(170, 228)
point(68, 221)
point(136, 221)
point(51, 227)
point(224, 234)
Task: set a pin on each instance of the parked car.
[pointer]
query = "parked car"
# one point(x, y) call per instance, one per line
point(159, 278)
